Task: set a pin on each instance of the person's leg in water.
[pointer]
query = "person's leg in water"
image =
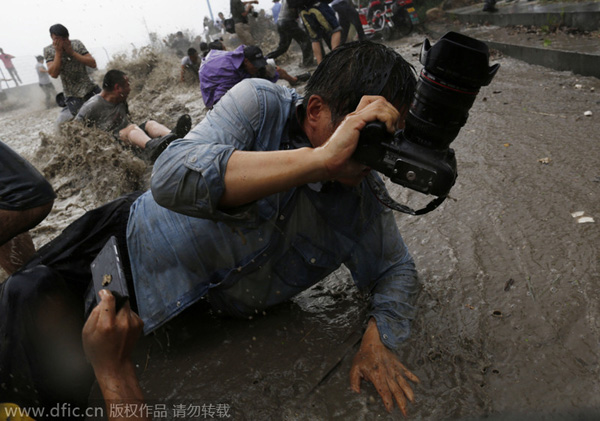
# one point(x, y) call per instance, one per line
point(139, 136)
point(284, 40)
point(288, 29)
point(153, 136)
point(50, 93)
point(14, 75)
point(344, 21)
point(301, 37)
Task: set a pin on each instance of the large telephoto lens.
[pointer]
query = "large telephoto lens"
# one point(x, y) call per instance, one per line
point(454, 70)
point(419, 157)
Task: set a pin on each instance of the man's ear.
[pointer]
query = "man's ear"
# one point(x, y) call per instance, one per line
point(314, 109)
point(317, 120)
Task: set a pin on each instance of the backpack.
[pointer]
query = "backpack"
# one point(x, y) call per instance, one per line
point(229, 25)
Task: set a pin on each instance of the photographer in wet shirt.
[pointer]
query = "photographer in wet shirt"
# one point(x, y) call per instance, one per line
point(259, 202)
point(278, 168)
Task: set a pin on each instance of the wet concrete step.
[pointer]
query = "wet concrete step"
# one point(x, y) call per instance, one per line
point(583, 16)
point(557, 50)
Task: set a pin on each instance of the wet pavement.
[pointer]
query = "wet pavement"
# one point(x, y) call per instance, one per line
point(584, 16)
point(509, 316)
point(562, 36)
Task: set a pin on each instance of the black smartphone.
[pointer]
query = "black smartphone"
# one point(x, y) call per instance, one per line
point(107, 273)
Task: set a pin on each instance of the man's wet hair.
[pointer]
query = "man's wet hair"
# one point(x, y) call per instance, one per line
point(39, 58)
point(112, 78)
point(191, 51)
point(361, 68)
point(59, 30)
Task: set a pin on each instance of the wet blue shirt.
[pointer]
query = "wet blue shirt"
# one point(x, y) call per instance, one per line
point(183, 247)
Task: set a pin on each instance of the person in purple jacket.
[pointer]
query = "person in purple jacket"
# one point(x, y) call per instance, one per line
point(222, 70)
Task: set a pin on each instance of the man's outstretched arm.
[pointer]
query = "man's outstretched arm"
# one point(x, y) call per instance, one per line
point(382, 265)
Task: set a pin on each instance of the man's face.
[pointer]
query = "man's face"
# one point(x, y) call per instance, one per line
point(250, 68)
point(57, 37)
point(123, 89)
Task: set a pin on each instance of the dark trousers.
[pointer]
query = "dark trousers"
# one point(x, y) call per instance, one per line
point(42, 313)
point(290, 30)
point(348, 15)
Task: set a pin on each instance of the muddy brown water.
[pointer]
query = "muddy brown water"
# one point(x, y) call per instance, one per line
point(509, 320)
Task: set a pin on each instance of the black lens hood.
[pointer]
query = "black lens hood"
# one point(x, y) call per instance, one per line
point(460, 60)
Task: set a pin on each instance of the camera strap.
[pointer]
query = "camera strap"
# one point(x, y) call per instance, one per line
point(377, 187)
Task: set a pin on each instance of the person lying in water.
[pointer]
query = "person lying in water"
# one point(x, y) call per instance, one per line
point(109, 111)
point(278, 168)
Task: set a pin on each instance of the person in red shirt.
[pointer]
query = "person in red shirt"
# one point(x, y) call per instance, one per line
point(7, 60)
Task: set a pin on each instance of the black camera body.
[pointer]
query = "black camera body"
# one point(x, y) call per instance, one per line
point(410, 164)
point(419, 157)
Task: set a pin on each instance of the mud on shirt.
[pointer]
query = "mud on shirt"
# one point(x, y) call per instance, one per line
point(73, 74)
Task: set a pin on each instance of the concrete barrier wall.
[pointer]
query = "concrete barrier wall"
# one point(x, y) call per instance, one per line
point(589, 21)
point(582, 64)
point(30, 92)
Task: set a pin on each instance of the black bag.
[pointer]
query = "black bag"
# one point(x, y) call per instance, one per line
point(229, 25)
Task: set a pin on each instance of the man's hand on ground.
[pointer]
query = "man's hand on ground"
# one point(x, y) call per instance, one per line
point(376, 363)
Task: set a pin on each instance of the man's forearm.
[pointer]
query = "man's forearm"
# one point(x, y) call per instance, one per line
point(393, 307)
point(253, 175)
point(120, 388)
